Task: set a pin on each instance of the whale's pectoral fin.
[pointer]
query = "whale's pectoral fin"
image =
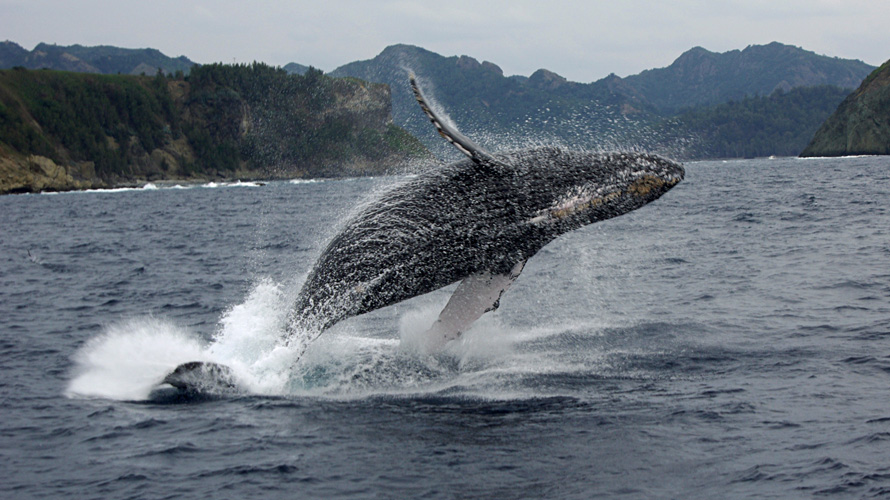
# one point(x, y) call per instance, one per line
point(476, 153)
point(476, 295)
point(202, 377)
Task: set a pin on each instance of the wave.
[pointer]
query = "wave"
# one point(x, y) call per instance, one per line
point(233, 184)
point(166, 185)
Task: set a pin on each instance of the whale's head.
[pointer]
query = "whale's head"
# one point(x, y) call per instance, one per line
point(578, 188)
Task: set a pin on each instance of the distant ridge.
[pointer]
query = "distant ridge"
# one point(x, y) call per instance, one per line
point(295, 69)
point(700, 77)
point(498, 109)
point(100, 59)
point(639, 111)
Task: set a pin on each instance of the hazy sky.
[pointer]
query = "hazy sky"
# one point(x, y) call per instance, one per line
point(581, 40)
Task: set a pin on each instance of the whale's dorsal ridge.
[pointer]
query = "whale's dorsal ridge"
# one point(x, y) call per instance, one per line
point(476, 153)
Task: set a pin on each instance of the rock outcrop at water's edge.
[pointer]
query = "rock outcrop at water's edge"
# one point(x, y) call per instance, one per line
point(861, 124)
point(34, 173)
point(63, 131)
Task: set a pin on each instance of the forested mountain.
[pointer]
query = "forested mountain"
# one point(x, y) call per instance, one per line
point(64, 130)
point(634, 112)
point(780, 124)
point(861, 124)
point(700, 77)
point(101, 59)
point(502, 112)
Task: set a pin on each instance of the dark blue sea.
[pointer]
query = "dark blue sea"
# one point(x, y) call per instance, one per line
point(730, 340)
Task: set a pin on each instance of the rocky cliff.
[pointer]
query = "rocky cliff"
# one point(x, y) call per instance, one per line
point(861, 124)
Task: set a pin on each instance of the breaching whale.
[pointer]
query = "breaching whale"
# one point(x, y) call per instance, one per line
point(476, 221)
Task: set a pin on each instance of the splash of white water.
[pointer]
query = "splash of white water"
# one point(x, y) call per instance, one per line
point(130, 359)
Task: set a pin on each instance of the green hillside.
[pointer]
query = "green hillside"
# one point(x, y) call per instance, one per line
point(62, 130)
point(861, 124)
point(780, 124)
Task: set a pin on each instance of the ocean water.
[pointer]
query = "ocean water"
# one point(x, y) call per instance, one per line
point(730, 340)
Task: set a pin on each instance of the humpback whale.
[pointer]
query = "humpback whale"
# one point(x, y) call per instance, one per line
point(476, 222)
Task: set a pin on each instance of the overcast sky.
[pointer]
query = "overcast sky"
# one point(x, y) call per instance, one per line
point(581, 40)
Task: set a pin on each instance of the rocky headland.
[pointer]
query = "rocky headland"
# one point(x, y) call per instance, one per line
point(64, 130)
point(861, 124)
